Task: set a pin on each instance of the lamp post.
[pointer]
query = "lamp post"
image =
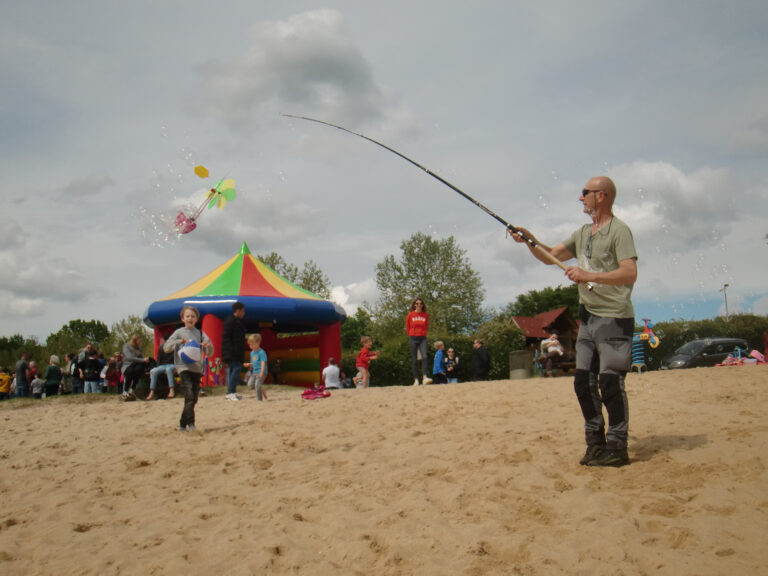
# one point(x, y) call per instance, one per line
point(724, 290)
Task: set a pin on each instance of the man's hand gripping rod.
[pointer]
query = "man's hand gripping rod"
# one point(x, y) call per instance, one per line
point(530, 241)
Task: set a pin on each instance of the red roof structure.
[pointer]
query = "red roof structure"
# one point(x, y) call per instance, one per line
point(539, 326)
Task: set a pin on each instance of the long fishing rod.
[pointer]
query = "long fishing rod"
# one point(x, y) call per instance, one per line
point(530, 241)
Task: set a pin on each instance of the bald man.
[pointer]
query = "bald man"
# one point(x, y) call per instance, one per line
point(606, 262)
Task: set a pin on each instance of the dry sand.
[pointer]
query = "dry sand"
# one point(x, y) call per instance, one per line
point(472, 479)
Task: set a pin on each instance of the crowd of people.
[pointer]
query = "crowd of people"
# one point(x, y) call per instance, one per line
point(86, 371)
point(445, 365)
point(89, 372)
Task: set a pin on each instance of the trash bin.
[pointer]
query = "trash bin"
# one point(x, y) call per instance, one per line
point(520, 364)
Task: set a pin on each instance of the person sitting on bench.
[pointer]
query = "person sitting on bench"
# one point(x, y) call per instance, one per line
point(552, 351)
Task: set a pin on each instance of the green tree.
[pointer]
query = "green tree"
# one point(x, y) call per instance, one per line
point(310, 277)
point(356, 326)
point(437, 271)
point(288, 271)
point(73, 336)
point(12, 347)
point(500, 337)
point(121, 332)
point(537, 301)
point(313, 279)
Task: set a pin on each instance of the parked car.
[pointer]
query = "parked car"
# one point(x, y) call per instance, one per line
point(704, 352)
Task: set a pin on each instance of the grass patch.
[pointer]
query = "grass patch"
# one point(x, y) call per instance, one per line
point(22, 403)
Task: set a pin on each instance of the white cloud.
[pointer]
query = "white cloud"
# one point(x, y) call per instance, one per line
point(665, 205)
point(354, 295)
point(12, 306)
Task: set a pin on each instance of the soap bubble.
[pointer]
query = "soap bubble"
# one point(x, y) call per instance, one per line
point(156, 228)
point(188, 156)
point(699, 265)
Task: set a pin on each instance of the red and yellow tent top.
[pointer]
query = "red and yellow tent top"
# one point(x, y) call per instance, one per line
point(267, 296)
point(243, 275)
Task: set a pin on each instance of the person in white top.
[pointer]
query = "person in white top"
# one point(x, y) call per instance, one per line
point(553, 351)
point(331, 375)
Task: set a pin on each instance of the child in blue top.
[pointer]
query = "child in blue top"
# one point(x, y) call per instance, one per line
point(258, 366)
point(438, 367)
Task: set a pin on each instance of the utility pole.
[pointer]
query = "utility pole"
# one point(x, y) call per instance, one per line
point(724, 290)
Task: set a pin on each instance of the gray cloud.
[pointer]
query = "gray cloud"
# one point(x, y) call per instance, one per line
point(89, 185)
point(307, 62)
point(44, 279)
point(14, 306)
point(11, 235)
point(753, 137)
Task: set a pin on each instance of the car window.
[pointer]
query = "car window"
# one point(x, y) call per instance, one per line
point(691, 348)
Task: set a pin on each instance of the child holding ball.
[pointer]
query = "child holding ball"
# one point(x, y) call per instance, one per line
point(189, 373)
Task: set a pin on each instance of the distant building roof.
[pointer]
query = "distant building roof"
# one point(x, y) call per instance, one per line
point(536, 326)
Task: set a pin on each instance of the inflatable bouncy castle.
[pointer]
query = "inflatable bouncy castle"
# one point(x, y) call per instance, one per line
point(299, 329)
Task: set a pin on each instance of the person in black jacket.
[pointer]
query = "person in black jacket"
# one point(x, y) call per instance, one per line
point(233, 348)
point(481, 362)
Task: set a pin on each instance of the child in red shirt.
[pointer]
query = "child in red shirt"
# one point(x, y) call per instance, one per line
point(363, 362)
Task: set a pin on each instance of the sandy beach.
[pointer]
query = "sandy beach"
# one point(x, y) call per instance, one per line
point(470, 479)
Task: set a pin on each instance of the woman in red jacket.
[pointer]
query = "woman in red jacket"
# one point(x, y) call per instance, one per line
point(416, 324)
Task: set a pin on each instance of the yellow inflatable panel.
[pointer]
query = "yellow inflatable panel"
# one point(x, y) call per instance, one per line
point(295, 354)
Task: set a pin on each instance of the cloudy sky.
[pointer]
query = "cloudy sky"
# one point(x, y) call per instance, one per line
point(106, 107)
